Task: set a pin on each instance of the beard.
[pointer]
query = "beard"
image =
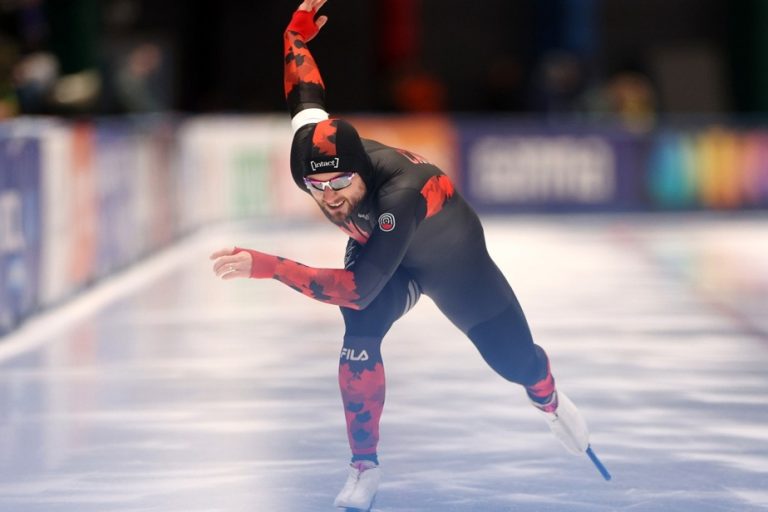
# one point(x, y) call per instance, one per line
point(339, 215)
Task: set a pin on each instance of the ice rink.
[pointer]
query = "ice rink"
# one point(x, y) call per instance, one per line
point(165, 389)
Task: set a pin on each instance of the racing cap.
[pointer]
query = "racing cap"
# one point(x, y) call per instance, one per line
point(333, 145)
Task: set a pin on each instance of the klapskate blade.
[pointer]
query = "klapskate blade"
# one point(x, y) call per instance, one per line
point(598, 464)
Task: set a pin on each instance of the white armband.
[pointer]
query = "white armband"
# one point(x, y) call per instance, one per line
point(308, 116)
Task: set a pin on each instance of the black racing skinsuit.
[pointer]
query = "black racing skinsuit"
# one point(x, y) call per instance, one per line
point(436, 246)
point(413, 233)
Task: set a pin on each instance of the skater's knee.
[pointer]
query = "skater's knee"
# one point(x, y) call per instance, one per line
point(506, 344)
point(398, 296)
point(360, 352)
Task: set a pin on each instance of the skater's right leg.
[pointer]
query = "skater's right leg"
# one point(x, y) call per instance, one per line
point(362, 384)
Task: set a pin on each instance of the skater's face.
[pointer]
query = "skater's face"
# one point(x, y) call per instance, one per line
point(339, 204)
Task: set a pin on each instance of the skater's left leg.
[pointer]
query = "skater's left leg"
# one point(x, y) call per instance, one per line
point(506, 344)
point(502, 337)
point(474, 294)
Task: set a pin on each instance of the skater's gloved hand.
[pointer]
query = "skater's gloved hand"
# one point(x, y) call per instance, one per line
point(231, 263)
point(304, 21)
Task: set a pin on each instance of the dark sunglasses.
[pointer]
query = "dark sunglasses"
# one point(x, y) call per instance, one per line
point(339, 182)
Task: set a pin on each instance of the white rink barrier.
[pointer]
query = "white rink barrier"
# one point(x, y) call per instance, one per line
point(80, 200)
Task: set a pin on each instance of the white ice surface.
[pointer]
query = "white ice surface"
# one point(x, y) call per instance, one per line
point(168, 390)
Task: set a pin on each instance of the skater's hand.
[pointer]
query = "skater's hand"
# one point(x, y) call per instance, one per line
point(311, 5)
point(229, 264)
point(303, 20)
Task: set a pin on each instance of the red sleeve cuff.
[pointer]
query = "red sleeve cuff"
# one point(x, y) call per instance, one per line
point(303, 22)
point(263, 265)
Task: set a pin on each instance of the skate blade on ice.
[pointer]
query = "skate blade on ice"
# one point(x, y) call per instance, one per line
point(570, 428)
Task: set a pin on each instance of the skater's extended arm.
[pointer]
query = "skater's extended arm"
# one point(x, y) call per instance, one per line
point(354, 287)
point(304, 88)
point(333, 286)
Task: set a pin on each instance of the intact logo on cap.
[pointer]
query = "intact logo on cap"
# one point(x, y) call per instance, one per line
point(386, 222)
point(321, 164)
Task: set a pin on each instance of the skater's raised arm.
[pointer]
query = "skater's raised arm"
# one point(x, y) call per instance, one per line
point(304, 88)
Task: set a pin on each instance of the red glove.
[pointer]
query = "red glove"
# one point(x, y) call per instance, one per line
point(303, 22)
point(263, 265)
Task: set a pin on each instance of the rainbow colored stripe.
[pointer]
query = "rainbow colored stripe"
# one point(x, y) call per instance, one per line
point(718, 168)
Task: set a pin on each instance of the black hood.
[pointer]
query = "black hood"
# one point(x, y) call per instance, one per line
point(332, 145)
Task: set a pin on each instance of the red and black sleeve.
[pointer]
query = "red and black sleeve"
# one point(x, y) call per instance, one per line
point(304, 86)
point(356, 286)
point(333, 286)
